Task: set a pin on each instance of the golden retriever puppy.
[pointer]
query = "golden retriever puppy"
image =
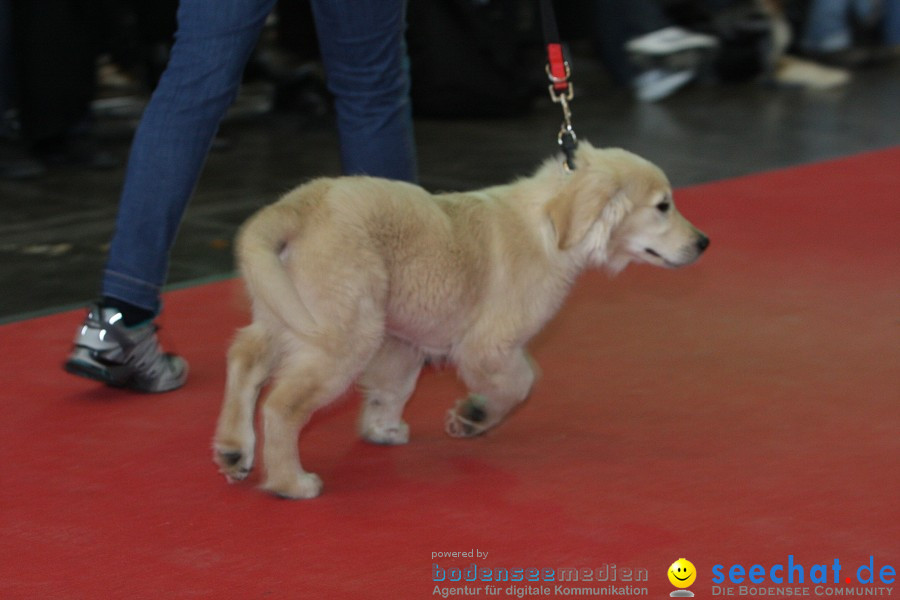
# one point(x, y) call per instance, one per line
point(362, 279)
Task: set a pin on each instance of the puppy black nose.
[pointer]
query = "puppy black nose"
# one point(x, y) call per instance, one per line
point(702, 242)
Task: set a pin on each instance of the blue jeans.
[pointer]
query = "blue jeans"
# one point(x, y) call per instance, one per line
point(364, 54)
point(828, 28)
point(892, 22)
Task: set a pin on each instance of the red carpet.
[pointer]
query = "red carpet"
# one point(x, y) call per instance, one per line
point(740, 411)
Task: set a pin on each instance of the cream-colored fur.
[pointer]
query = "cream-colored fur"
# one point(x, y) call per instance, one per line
point(361, 279)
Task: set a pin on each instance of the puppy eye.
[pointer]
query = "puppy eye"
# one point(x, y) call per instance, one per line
point(663, 207)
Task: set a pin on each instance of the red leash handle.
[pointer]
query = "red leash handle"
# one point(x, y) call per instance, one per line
point(557, 66)
point(558, 69)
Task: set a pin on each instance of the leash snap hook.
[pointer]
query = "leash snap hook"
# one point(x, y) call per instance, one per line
point(566, 137)
point(568, 142)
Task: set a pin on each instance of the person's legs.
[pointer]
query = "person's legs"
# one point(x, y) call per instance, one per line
point(827, 27)
point(213, 43)
point(613, 23)
point(868, 11)
point(117, 342)
point(624, 30)
point(364, 54)
point(367, 70)
point(891, 24)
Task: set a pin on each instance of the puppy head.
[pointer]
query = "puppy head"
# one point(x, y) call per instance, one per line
point(617, 208)
point(654, 232)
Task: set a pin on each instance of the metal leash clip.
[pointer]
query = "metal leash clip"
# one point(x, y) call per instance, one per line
point(562, 94)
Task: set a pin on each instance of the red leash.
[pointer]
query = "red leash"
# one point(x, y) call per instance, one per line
point(561, 89)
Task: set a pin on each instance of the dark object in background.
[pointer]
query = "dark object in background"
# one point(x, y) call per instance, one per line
point(138, 35)
point(54, 48)
point(472, 58)
point(746, 40)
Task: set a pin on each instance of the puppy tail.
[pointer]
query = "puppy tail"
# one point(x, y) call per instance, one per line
point(260, 244)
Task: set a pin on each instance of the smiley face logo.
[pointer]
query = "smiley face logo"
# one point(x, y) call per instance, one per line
point(682, 573)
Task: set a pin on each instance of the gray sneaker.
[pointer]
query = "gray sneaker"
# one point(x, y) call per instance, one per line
point(671, 40)
point(656, 84)
point(120, 356)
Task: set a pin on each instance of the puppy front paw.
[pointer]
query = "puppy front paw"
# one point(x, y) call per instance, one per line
point(468, 418)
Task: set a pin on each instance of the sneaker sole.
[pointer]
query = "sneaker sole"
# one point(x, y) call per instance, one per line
point(89, 371)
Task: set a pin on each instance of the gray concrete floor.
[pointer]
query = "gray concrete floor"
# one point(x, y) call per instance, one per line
point(54, 231)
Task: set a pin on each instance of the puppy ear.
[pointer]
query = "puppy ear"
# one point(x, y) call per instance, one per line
point(575, 209)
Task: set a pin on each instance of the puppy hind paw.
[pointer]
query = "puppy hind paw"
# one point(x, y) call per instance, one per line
point(391, 435)
point(304, 486)
point(234, 464)
point(467, 418)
